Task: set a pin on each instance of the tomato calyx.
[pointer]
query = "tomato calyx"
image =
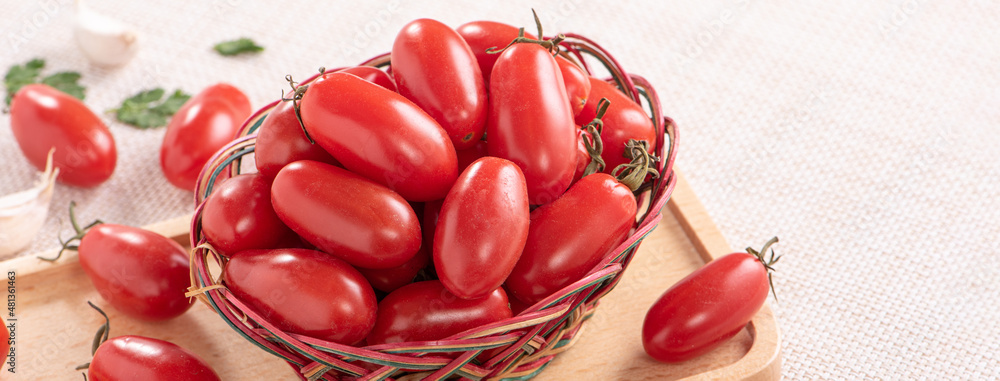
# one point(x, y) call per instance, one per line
point(296, 98)
point(593, 142)
point(100, 337)
point(768, 263)
point(642, 164)
point(80, 232)
point(552, 44)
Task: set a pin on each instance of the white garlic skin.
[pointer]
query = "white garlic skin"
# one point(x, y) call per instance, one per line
point(104, 41)
point(22, 214)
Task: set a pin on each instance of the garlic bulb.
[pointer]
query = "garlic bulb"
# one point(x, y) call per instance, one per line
point(23, 213)
point(104, 40)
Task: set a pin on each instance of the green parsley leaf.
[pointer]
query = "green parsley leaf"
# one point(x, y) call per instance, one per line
point(66, 82)
point(234, 47)
point(20, 75)
point(142, 111)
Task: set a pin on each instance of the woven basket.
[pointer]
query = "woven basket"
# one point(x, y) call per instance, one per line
point(518, 348)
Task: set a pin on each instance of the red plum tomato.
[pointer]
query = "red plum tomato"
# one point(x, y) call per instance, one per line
point(238, 216)
point(482, 228)
point(380, 135)
point(204, 124)
point(530, 122)
point(144, 358)
point(568, 237)
point(346, 215)
point(305, 292)
point(426, 311)
point(140, 273)
point(43, 118)
point(434, 68)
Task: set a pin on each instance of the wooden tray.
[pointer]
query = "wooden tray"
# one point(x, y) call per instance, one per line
point(54, 325)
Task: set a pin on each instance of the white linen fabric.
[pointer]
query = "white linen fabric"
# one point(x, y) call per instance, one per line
point(863, 133)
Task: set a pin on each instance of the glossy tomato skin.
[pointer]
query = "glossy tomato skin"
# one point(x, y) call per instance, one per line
point(577, 83)
point(380, 135)
point(388, 280)
point(304, 291)
point(204, 124)
point(706, 308)
point(280, 141)
point(426, 311)
point(623, 120)
point(569, 236)
point(434, 68)
point(373, 75)
point(530, 122)
point(483, 35)
point(238, 216)
point(43, 118)
point(144, 358)
point(141, 273)
point(346, 215)
point(482, 228)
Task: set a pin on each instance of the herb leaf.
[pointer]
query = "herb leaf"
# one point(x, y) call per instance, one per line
point(66, 82)
point(234, 47)
point(143, 111)
point(20, 75)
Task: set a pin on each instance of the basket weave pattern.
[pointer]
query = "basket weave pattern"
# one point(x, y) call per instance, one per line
point(519, 347)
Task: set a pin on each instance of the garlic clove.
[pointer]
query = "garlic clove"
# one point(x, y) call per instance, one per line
point(104, 40)
point(22, 214)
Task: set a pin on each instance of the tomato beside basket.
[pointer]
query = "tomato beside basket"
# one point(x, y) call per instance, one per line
point(516, 347)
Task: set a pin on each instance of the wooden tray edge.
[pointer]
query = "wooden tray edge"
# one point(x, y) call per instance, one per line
point(763, 360)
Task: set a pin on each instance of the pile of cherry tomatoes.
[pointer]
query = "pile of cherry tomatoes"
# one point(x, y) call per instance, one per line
point(417, 202)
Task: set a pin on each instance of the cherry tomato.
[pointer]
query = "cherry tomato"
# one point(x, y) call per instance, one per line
point(577, 84)
point(482, 228)
point(304, 291)
point(346, 215)
point(388, 280)
point(483, 35)
point(143, 358)
point(623, 120)
point(43, 118)
point(530, 122)
point(568, 237)
point(373, 75)
point(238, 216)
point(141, 273)
point(426, 311)
point(280, 141)
point(707, 307)
point(434, 68)
point(380, 135)
point(204, 124)
point(467, 156)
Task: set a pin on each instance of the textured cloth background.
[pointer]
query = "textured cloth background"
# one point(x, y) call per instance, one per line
point(863, 133)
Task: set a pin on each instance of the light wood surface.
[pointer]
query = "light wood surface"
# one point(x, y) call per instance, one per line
point(55, 326)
